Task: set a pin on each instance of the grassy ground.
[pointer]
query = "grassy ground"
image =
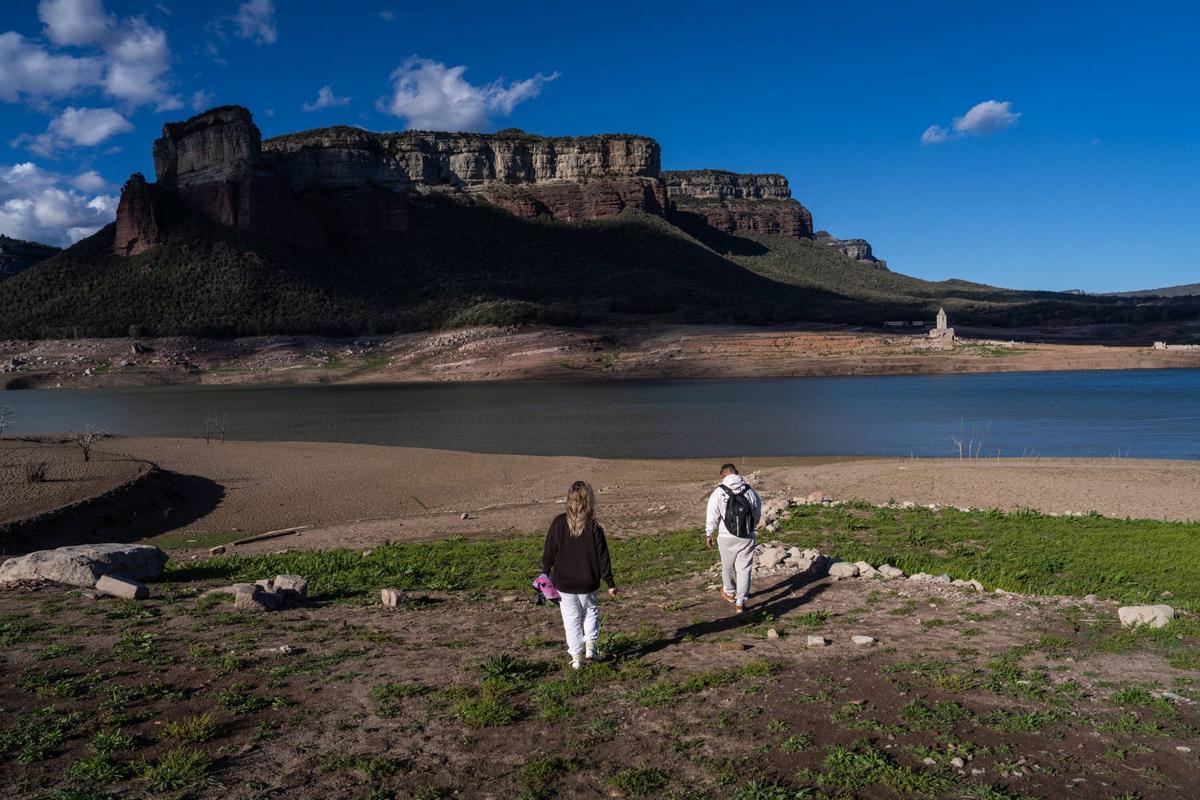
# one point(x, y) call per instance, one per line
point(963, 696)
point(1133, 561)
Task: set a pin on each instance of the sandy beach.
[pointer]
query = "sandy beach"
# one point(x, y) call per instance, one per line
point(361, 495)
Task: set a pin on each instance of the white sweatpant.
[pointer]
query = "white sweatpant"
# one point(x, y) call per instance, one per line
point(581, 619)
point(737, 561)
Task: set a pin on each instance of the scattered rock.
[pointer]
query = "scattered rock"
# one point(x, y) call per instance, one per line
point(1152, 616)
point(890, 572)
point(817, 641)
point(957, 763)
point(771, 557)
point(772, 633)
point(391, 597)
point(818, 497)
point(1090, 599)
point(920, 577)
point(1183, 748)
point(282, 650)
point(119, 587)
point(293, 587)
point(508, 598)
point(865, 570)
point(465, 515)
point(943, 578)
point(929, 762)
point(84, 564)
point(863, 641)
point(256, 598)
point(843, 569)
point(216, 551)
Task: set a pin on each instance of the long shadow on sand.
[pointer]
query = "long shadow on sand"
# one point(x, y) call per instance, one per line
point(161, 501)
point(783, 598)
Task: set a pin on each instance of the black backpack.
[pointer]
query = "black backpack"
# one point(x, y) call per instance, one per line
point(739, 513)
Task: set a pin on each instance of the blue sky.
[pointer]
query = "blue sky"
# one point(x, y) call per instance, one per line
point(1031, 145)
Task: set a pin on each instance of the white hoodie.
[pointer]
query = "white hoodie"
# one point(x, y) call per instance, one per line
point(718, 500)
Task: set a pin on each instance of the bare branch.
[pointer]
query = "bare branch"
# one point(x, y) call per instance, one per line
point(85, 440)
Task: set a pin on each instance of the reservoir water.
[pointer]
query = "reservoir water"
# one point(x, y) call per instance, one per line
point(1128, 413)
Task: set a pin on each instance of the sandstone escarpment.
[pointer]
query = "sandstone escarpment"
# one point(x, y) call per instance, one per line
point(312, 187)
point(735, 203)
point(17, 255)
point(858, 249)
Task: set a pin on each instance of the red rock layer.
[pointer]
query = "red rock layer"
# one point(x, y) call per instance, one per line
point(775, 217)
point(137, 227)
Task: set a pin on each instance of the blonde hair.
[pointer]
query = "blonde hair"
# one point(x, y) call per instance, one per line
point(581, 507)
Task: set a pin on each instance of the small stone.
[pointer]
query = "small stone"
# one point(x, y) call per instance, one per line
point(817, 641)
point(216, 551)
point(771, 557)
point(890, 572)
point(265, 583)
point(465, 515)
point(843, 569)
point(863, 641)
point(772, 633)
point(1150, 616)
point(508, 598)
point(976, 585)
point(257, 599)
point(957, 763)
point(920, 577)
point(943, 578)
point(929, 762)
point(1167, 595)
point(1183, 748)
point(391, 597)
point(731, 646)
point(865, 570)
point(294, 587)
point(282, 650)
point(978, 771)
point(1090, 599)
point(119, 587)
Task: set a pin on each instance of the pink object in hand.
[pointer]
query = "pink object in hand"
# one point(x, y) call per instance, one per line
point(546, 586)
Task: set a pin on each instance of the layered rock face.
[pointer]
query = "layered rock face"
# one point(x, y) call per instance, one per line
point(309, 187)
point(17, 255)
point(734, 203)
point(858, 249)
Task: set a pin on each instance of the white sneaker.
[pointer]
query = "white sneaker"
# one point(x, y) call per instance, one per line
point(591, 652)
point(576, 662)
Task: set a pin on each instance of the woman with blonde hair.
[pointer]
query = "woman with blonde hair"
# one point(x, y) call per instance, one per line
point(575, 556)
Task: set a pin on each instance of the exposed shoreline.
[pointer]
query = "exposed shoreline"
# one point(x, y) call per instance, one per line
point(362, 495)
point(491, 354)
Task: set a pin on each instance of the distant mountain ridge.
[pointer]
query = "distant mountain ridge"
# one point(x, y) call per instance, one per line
point(1182, 290)
point(17, 255)
point(340, 230)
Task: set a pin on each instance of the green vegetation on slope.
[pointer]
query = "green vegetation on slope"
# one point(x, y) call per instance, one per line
point(1131, 561)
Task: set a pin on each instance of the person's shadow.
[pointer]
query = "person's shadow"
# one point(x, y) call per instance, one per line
point(783, 598)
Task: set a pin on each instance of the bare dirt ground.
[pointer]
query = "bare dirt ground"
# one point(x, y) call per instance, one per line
point(68, 479)
point(362, 495)
point(962, 695)
point(548, 353)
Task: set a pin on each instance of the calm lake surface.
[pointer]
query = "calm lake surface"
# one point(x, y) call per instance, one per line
point(1131, 413)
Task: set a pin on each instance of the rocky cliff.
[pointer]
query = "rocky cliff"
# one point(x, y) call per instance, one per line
point(733, 202)
point(17, 255)
point(858, 249)
point(310, 187)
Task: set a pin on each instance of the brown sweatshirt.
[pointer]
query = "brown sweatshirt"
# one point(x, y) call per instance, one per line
point(576, 564)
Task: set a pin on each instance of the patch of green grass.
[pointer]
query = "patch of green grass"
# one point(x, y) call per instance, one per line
point(181, 768)
point(860, 765)
point(388, 697)
point(942, 715)
point(59, 650)
point(665, 691)
point(639, 781)
point(755, 790)
point(112, 741)
point(96, 769)
point(193, 541)
point(488, 710)
point(813, 619)
point(538, 777)
point(446, 564)
point(196, 729)
point(238, 699)
point(1025, 552)
point(796, 743)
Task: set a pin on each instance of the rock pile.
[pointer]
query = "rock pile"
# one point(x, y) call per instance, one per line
point(284, 591)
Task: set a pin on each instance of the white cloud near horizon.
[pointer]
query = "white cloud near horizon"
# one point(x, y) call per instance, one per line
point(42, 206)
point(431, 96)
point(201, 99)
point(255, 19)
point(325, 99)
point(990, 116)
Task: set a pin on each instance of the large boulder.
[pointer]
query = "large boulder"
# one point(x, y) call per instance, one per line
point(843, 569)
point(1150, 616)
point(84, 564)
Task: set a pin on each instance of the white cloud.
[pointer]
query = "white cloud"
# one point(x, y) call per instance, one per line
point(133, 69)
point(934, 134)
point(31, 73)
point(326, 99)
point(91, 181)
point(43, 206)
point(990, 116)
point(255, 19)
point(202, 99)
point(429, 95)
point(79, 127)
point(986, 117)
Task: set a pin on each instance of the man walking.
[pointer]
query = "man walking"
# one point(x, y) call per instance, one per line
point(734, 509)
